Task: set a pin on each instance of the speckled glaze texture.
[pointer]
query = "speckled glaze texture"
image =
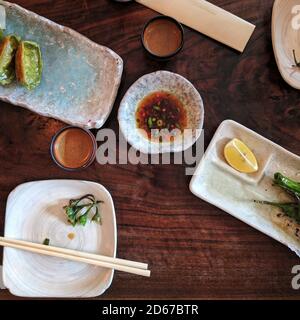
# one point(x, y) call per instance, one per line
point(158, 81)
point(80, 78)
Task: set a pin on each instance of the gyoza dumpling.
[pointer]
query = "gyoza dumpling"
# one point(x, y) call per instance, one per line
point(8, 48)
point(29, 64)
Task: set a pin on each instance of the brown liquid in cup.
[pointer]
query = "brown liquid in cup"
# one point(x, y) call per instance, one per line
point(73, 148)
point(162, 37)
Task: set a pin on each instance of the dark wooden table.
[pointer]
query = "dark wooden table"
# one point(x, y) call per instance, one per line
point(194, 249)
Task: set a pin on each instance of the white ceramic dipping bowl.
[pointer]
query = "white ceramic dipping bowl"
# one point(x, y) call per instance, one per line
point(161, 81)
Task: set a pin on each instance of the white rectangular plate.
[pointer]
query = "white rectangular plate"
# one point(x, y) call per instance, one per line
point(35, 212)
point(217, 183)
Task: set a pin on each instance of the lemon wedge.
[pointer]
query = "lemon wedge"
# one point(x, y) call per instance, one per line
point(240, 157)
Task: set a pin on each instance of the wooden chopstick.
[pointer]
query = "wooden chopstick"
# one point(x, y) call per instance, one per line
point(98, 257)
point(98, 260)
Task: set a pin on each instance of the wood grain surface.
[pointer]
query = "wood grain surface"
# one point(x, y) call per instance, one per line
point(194, 250)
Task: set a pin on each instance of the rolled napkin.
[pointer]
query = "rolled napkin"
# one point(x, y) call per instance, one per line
point(206, 18)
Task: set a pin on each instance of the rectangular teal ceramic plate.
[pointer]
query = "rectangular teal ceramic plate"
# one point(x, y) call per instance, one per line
point(80, 78)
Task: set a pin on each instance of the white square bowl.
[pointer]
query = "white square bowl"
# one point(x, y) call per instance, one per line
point(34, 212)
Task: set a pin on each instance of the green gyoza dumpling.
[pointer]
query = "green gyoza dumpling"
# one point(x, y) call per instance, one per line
point(29, 64)
point(8, 48)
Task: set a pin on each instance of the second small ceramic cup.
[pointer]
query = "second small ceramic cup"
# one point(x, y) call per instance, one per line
point(163, 37)
point(73, 148)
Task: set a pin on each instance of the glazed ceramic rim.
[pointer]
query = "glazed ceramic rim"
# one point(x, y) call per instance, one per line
point(93, 154)
point(179, 26)
point(159, 148)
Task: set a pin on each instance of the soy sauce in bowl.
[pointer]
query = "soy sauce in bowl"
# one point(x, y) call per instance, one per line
point(161, 110)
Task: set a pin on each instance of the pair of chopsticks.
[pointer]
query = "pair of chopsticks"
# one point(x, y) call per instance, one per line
point(128, 266)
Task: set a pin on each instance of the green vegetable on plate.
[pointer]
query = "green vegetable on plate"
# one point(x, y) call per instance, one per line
point(289, 185)
point(8, 48)
point(29, 64)
point(79, 210)
point(291, 209)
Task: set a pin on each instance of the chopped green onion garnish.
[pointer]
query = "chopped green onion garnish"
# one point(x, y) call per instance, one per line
point(78, 211)
point(150, 122)
point(46, 242)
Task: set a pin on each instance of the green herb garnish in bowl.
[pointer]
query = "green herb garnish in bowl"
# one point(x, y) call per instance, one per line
point(80, 210)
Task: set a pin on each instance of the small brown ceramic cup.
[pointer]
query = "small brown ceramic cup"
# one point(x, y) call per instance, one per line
point(67, 138)
point(171, 54)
